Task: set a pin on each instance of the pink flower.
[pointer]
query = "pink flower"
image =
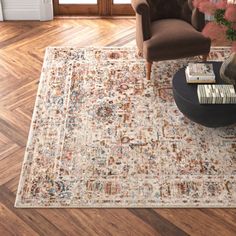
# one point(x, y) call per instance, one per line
point(230, 13)
point(222, 4)
point(205, 6)
point(196, 3)
point(215, 32)
point(208, 8)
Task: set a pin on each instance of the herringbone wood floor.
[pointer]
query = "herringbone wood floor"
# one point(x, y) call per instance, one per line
point(22, 46)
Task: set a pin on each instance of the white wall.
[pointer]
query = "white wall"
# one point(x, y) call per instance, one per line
point(27, 9)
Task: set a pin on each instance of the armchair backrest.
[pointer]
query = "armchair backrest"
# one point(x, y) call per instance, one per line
point(164, 9)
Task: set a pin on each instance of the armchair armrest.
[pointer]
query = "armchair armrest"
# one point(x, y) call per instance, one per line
point(143, 20)
point(139, 6)
point(198, 18)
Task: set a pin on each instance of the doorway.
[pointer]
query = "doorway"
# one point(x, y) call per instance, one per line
point(93, 7)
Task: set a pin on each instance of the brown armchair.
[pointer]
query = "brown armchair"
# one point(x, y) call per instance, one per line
point(169, 29)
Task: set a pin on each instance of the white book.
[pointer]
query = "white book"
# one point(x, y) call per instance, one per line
point(200, 72)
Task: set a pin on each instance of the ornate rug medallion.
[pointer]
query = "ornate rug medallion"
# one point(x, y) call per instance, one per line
point(104, 136)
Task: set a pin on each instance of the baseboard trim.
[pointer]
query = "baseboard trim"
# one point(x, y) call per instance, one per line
point(21, 14)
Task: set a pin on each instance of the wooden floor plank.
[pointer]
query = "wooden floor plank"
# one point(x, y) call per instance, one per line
point(162, 225)
point(210, 220)
point(37, 224)
point(14, 224)
point(11, 164)
point(4, 229)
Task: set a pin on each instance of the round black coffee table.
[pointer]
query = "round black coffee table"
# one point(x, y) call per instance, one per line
point(186, 99)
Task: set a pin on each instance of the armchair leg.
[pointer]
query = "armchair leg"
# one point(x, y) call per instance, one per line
point(140, 54)
point(204, 57)
point(148, 69)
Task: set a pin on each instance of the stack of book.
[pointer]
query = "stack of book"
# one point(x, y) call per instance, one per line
point(216, 94)
point(200, 73)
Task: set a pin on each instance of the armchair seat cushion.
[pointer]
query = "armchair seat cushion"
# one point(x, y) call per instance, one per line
point(174, 38)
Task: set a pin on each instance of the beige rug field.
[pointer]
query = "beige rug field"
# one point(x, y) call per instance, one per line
point(104, 136)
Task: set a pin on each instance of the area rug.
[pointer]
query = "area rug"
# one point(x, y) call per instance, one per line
point(104, 136)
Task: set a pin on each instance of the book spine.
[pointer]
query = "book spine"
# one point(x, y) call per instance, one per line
point(216, 94)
